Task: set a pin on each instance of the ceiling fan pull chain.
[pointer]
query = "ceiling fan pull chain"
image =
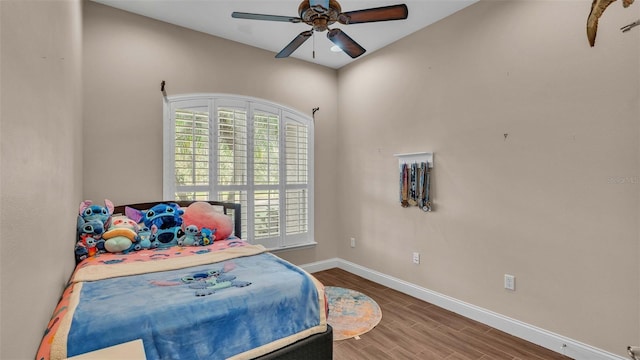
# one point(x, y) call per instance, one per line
point(314, 45)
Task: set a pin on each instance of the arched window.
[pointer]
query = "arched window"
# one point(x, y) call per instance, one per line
point(243, 150)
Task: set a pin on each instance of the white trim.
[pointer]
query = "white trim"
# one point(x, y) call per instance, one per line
point(322, 265)
point(552, 341)
point(293, 247)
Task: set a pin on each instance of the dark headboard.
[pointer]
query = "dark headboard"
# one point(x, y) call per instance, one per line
point(231, 209)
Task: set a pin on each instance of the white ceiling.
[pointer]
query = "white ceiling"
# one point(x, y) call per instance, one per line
point(214, 17)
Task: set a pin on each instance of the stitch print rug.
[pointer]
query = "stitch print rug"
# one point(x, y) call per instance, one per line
point(351, 313)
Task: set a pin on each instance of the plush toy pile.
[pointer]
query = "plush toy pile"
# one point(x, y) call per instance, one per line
point(162, 226)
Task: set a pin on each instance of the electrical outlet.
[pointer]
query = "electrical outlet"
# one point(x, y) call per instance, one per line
point(509, 282)
point(416, 258)
point(353, 242)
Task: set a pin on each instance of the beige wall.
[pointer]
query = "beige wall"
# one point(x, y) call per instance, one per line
point(40, 164)
point(555, 203)
point(127, 56)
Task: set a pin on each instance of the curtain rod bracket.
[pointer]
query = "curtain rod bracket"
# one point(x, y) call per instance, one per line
point(162, 84)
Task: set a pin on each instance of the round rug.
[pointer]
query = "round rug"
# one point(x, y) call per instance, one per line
point(351, 313)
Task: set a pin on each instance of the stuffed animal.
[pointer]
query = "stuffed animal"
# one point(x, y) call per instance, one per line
point(164, 220)
point(122, 235)
point(93, 228)
point(163, 216)
point(206, 236)
point(89, 238)
point(89, 211)
point(86, 247)
point(81, 252)
point(145, 240)
point(190, 237)
point(204, 215)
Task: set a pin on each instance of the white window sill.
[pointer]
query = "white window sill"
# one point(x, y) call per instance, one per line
point(293, 247)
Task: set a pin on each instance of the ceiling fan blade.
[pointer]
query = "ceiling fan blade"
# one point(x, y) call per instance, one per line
point(344, 42)
point(242, 15)
point(323, 3)
point(385, 13)
point(294, 44)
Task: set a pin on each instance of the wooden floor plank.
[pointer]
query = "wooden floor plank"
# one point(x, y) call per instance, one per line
point(413, 329)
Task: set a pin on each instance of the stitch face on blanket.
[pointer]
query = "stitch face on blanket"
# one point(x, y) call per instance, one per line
point(208, 282)
point(212, 281)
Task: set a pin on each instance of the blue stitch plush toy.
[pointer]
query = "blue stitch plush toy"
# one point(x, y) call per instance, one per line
point(145, 239)
point(207, 236)
point(90, 238)
point(164, 220)
point(190, 237)
point(93, 219)
point(90, 211)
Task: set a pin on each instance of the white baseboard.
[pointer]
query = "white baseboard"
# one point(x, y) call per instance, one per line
point(536, 335)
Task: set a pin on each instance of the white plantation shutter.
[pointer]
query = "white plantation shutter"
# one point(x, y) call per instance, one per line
point(266, 174)
point(232, 156)
point(247, 151)
point(296, 149)
point(232, 146)
point(191, 151)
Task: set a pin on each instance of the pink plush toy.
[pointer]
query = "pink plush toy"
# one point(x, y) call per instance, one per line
point(205, 215)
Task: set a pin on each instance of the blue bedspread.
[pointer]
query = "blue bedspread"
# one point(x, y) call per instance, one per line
point(211, 311)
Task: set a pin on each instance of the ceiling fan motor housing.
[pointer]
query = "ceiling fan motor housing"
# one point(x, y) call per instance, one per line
point(317, 16)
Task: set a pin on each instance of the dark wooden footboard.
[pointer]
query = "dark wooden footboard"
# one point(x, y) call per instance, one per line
point(315, 347)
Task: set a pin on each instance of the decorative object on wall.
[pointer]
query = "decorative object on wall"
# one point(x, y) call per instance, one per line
point(630, 26)
point(319, 14)
point(415, 179)
point(351, 313)
point(597, 8)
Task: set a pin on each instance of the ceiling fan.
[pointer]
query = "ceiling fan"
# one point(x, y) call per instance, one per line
point(319, 14)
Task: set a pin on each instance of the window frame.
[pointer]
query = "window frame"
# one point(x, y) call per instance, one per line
point(211, 103)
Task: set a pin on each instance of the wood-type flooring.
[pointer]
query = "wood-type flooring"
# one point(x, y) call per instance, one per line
point(414, 329)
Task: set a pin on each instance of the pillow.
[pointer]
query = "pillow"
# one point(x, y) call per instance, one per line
point(204, 215)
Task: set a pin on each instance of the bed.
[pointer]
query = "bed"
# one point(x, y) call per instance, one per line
point(226, 300)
